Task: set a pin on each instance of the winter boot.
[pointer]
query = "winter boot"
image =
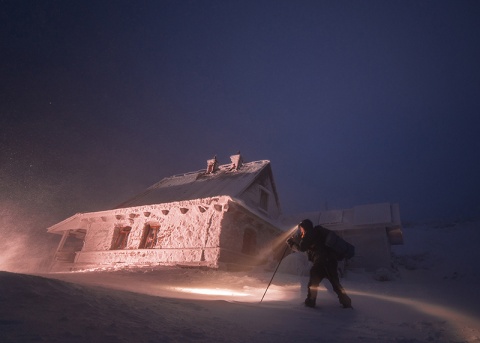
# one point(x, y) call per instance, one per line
point(345, 301)
point(310, 302)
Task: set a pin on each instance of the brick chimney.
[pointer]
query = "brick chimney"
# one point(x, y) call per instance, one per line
point(237, 161)
point(212, 165)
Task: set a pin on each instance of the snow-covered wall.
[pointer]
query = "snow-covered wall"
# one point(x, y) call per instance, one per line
point(209, 232)
point(187, 232)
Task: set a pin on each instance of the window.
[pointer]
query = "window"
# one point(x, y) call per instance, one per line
point(263, 200)
point(249, 242)
point(149, 238)
point(120, 238)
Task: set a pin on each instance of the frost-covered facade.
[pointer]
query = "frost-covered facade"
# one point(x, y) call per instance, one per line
point(225, 216)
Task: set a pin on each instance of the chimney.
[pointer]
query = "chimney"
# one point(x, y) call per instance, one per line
point(237, 161)
point(212, 165)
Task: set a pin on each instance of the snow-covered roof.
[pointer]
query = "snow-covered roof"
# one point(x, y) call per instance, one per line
point(226, 180)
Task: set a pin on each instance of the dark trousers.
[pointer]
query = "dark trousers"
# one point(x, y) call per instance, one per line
point(326, 270)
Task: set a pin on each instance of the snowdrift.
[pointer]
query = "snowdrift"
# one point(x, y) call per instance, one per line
point(429, 296)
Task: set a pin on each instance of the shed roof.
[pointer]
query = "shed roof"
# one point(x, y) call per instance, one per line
point(226, 180)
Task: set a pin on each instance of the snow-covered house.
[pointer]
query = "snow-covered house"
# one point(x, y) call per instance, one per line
point(225, 216)
point(371, 228)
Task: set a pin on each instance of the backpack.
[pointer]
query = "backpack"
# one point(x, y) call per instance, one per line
point(342, 249)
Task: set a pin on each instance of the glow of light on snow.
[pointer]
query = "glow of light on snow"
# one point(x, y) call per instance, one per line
point(212, 291)
point(439, 311)
point(281, 293)
point(250, 294)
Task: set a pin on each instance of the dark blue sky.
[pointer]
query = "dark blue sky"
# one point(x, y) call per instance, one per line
point(353, 102)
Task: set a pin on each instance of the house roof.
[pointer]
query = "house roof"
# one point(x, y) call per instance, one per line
point(226, 180)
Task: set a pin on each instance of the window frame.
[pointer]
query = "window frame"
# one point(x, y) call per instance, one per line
point(264, 199)
point(148, 229)
point(120, 238)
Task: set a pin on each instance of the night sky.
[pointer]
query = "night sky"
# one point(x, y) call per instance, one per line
point(353, 102)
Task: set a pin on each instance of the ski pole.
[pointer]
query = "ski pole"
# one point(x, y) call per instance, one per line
point(278, 265)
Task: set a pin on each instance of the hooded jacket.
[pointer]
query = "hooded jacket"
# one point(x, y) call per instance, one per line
point(313, 242)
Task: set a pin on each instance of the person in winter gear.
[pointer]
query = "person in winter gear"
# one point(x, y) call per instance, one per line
point(325, 265)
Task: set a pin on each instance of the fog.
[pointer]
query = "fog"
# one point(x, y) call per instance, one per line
point(352, 103)
point(25, 246)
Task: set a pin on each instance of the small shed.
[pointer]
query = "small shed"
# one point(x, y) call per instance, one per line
point(224, 216)
point(371, 228)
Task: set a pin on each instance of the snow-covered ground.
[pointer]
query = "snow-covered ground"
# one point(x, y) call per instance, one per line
point(431, 296)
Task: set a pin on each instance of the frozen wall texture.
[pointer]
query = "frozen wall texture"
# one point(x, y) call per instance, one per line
point(186, 232)
point(205, 232)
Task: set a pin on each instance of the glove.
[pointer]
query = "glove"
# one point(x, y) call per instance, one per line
point(290, 242)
